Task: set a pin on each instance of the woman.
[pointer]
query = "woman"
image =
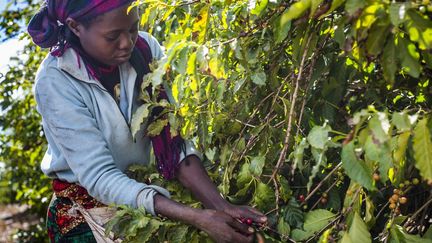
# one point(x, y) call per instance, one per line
point(86, 91)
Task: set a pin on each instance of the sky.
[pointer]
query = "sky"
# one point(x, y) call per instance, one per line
point(8, 48)
point(3, 4)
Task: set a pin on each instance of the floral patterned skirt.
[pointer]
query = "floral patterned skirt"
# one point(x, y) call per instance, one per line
point(64, 223)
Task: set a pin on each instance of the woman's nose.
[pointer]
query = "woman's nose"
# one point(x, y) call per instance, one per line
point(126, 42)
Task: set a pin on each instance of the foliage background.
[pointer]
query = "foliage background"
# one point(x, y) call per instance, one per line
point(316, 112)
point(21, 138)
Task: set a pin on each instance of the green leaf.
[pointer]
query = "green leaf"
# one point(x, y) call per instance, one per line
point(314, 6)
point(200, 25)
point(285, 190)
point(259, 78)
point(401, 121)
point(179, 234)
point(356, 169)
point(156, 76)
point(397, 12)
point(145, 234)
point(210, 153)
point(428, 59)
point(181, 60)
point(346, 238)
point(298, 154)
point(292, 214)
point(402, 145)
point(156, 127)
point(380, 125)
point(221, 87)
point(428, 234)
point(259, 7)
point(244, 176)
point(351, 6)
point(398, 235)
point(377, 37)
point(283, 227)
point(389, 61)
point(334, 200)
point(257, 165)
point(317, 219)
point(419, 29)
point(281, 29)
point(300, 235)
point(239, 83)
point(400, 219)
point(422, 145)
point(409, 57)
point(318, 136)
point(296, 10)
point(339, 36)
point(320, 159)
point(369, 215)
point(264, 196)
point(314, 221)
point(335, 4)
point(381, 154)
point(358, 231)
point(138, 118)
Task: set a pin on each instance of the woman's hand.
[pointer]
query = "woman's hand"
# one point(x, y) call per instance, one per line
point(245, 213)
point(221, 227)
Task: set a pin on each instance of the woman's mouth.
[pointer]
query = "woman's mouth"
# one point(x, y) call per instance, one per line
point(125, 56)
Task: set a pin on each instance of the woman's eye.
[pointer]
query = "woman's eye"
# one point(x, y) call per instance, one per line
point(111, 38)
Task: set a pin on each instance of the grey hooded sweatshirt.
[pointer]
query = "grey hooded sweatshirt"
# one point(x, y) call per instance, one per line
point(89, 137)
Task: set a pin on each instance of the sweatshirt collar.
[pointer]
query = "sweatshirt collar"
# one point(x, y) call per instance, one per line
point(73, 64)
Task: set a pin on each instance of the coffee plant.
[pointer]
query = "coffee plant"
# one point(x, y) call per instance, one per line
point(316, 112)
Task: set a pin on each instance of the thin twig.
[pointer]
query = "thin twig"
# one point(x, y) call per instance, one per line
point(418, 211)
point(244, 123)
point(324, 228)
point(248, 122)
point(322, 182)
point(338, 217)
point(331, 186)
point(291, 113)
point(271, 211)
point(277, 195)
point(187, 3)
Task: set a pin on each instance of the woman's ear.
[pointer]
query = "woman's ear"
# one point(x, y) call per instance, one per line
point(74, 26)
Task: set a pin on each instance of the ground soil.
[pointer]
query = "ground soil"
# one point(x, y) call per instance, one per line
point(14, 218)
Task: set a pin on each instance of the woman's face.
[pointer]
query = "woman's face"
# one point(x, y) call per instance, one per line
point(110, 38)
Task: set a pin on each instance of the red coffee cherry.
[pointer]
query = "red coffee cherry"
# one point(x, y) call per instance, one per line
point(249, 221)
point(301, 198)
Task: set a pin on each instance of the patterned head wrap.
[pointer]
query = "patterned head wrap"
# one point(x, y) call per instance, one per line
point(45, 27)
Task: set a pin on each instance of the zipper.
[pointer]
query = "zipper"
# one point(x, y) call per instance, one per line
point(113, 98)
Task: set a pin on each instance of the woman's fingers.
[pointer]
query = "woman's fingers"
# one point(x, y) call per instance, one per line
point(242, 228)
point(253, 214)
point(256, 211)
point(222, 227)
point(242, 238)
